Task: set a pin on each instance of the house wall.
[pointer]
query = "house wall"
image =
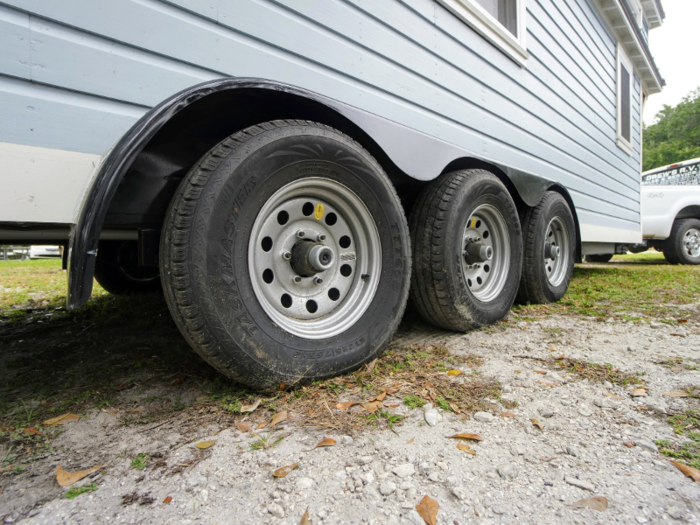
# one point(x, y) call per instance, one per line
point(79, 73)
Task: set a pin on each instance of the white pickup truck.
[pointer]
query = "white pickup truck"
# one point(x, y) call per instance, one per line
point(670, 214)
point(671, 211)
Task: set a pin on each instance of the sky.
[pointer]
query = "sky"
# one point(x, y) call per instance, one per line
point(676, 49)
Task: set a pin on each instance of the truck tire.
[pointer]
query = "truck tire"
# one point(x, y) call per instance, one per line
point(599, 257)
point(467, 250)
point(683, 245)
point(549, 237)
point(117, 269)
point(285, 255)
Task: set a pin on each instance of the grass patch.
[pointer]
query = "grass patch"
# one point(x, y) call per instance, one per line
point(632, 286)
point(596, 372)
point(412, 375)
point(265, 441)
point(34, 283)
point(686, 424)
point(74, 492)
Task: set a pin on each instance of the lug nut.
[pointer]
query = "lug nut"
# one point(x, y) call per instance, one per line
point(297, 279)
point(318, 280)
point(321, 238)
point(301, 234)
point(287, 256)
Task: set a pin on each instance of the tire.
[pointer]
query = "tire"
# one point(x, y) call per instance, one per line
point(230, 253)
point(683, 245)
point(599, 257)
point(445, 290)
point(117, 269)
point(547, 227)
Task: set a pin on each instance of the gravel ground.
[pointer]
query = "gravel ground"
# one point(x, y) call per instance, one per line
point(595, 441)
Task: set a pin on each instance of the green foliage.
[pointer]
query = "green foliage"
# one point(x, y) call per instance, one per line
point(688, 451)
point(413, 401)
point(443, 404)
point(139, 462)
point(675, 136)
point(74, 492)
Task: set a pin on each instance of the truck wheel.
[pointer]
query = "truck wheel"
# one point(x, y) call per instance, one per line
point(467, 250)
point(117, 269)
point(599, 257)
point(549, 235)
point(683, 245)
point(285, 255)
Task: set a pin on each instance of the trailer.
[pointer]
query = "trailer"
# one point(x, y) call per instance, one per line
point(288, 171)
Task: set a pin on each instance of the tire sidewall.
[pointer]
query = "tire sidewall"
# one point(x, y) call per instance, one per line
point(483, 188)
point(259, 350)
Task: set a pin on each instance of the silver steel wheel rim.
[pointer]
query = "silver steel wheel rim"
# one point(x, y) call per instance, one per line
point(555, 266)
point(332, 300)
point(486, 279)
point(691, 242)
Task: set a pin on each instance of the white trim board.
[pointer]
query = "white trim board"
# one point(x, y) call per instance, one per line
point(592, 233)
point(42, 184)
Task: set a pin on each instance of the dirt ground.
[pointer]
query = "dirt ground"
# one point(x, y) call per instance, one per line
point(568, 407)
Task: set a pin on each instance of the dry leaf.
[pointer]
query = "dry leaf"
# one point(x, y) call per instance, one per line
point(410, 441)
point(203, 445)
point(473, 437)
point(466, 448)
point(370, 366)
point(506, 414)
point(168, 500)
point(380, 397)
point(355, 390)
point(536, 423)
point(33, 430)
point(279, 417)
point(261, 425)
point(518, 371)
point(178, 381)
point(244, 426)
point(61, 420)
point(691, 472)
point(328, 442)
point(282, 472)
point(598, 503)
point(629, 444)
point(428, 509)
point(678, 335)
point(346, 405)
point(548, 384)
point(454, 372)
point(610, 394)
point(305, 518)
point(66, 479)
point(455, 408)
point(250, 408)
point(639, 392)
point(282, 386)
point(396, 405)
point(683, 321)
point(541, 372)
point(371, 407)
point(676, 393)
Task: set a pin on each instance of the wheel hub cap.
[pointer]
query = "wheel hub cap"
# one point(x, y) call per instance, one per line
point(691, 242)
point(556, 251)
point(314, 258)
point(486, 260)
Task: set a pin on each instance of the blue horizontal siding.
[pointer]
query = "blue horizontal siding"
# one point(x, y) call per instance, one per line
point(407, 60)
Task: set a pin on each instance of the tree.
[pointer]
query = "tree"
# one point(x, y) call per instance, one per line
point(675, 136)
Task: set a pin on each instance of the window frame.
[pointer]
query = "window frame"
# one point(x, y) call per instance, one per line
point(514, 46)
point(624, 61)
